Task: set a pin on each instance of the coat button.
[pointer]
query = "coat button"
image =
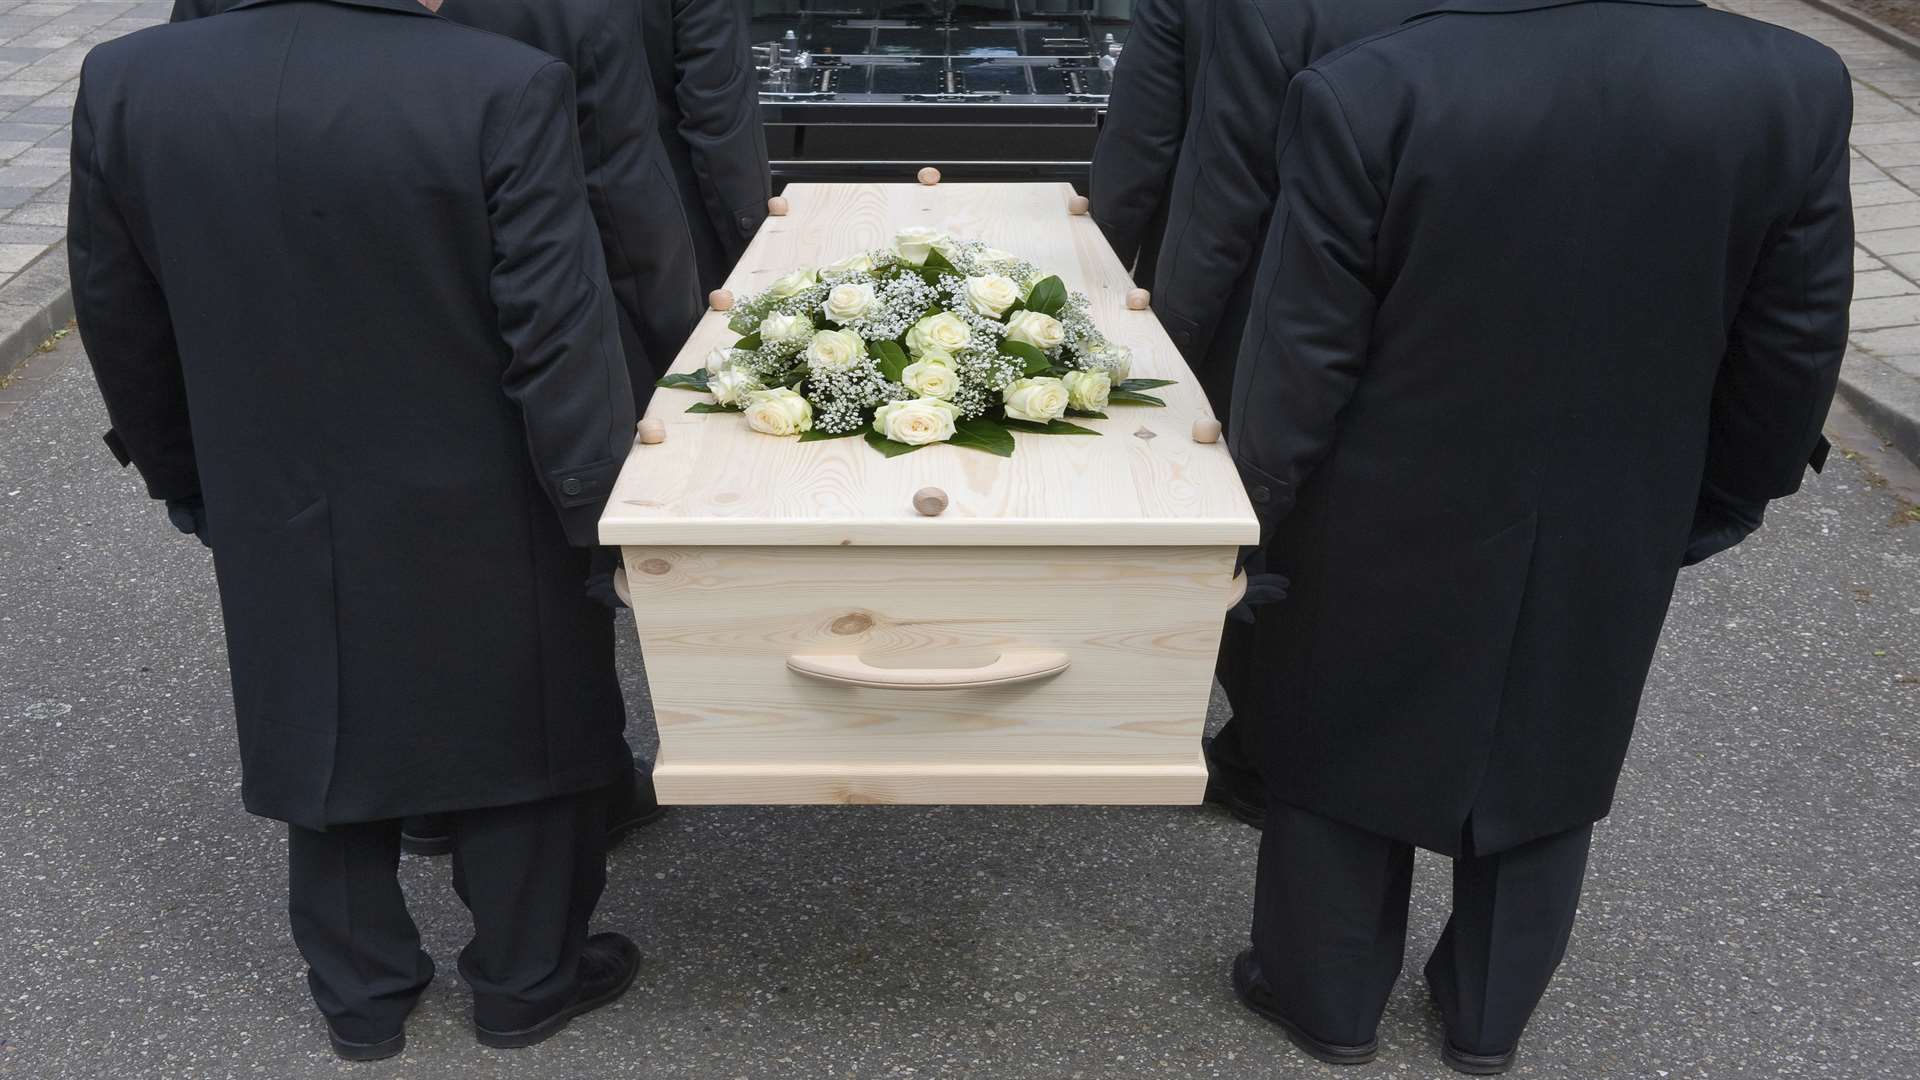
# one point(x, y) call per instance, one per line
point(1261, 493)
point(572, 487)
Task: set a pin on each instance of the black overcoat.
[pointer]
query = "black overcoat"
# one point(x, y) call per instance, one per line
point(336, 271)
point(630, 181)
point(709, 92)
point(1227, 178)
point(1146, 121)
point(1541, 272)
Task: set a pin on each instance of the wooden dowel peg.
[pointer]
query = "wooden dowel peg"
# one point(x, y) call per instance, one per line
point(1138, 299)
point(1077, 204)
point(720, 300)
point(778, 206)
point(1206, 430)
point(653, 431)
point(929, 176)
point(930, 501)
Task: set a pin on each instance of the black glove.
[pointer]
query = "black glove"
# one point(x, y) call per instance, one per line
point(604, 562)
point(189, 515)
point(1719, 522)
point(1262, 589)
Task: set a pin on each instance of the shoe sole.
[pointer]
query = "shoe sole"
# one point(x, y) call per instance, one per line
point(1330, 1053)
point(1476, 1064)
point(554, 1025)
point(1238, 809)
point(632, 825)
point(379, 1051)
point(427, 847)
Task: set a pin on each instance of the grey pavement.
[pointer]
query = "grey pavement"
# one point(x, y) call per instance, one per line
point(1750, 909)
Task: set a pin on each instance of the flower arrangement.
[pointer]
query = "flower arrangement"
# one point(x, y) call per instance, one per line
point(933, 340)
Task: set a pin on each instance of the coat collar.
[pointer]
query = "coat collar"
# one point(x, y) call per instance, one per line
point(1508, 7)
point(403, 7)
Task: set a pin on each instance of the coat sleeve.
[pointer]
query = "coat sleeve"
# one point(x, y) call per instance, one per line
point(1227, 180)
point(1784, 349)
point(126, 327)
point(1146, 118)
point(718, 93)
point(643, 227)
point(1311, 324)
point(549, 285)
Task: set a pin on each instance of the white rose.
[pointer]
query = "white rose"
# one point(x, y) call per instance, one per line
point(917, 422)
point(778, 327)
point(995, 257)
point(992, 294)
point(846, 303)
point(855, 263)
point(729, 386)
point(718, 360)
point(778, 411)
point(1038, 401)
point(792, 284)
point(1087, 390)
point(1116, 359)
point(940, 332)
point(949, 247)
point(1043, 332)
point(914, 242)
point(835, 350)
point(932, 376)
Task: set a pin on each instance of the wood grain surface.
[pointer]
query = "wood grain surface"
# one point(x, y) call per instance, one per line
point(713, 481)
point(1120, 722)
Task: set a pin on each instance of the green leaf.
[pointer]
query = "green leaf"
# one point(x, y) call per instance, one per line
point(1049, 295)
point(891, 358)
point(710, 407)
point(750, 342)
point(984, 434)
point(1057, 427)
point(1035, 361)
point(1142, 384)
point(1132, 397)
point(888, 446)
point(940, 263)
point(685, 380)
point(1088, 415)
point(740, 322)
point(816, 435)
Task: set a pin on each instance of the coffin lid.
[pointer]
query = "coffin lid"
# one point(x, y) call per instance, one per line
point(713, 481)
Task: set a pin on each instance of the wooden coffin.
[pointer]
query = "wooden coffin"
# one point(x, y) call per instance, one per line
point(1050, 637)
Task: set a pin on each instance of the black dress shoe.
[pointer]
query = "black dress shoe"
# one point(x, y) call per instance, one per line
point(427, 835)
point(1477, 1064)
point(607, 967)
point(348, 1050)
point(641, 807)
point(1253, 992)
point(431, 835)
point(1239, 793)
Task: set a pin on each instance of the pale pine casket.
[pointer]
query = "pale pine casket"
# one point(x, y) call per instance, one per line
point(1049, 637)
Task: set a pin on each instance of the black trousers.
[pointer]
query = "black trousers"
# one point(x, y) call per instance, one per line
point(530, 874)
point(1330, 929)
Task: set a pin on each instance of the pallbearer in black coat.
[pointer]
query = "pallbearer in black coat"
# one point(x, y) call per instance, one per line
point(338, 278)
point(1223, 191)
point(703, 75)
point(1133, 161)
point(1553, 302)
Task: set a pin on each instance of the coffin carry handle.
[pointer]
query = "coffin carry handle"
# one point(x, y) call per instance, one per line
point(1010, 668)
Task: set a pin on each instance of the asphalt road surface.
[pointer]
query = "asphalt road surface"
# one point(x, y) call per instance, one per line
point(1750, 911)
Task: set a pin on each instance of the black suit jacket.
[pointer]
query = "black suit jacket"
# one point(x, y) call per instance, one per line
point(335, 269)
point(1541, 271)
point(1227, 178)
point(630, 180)
point(703, 74)
point(1133, 161)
